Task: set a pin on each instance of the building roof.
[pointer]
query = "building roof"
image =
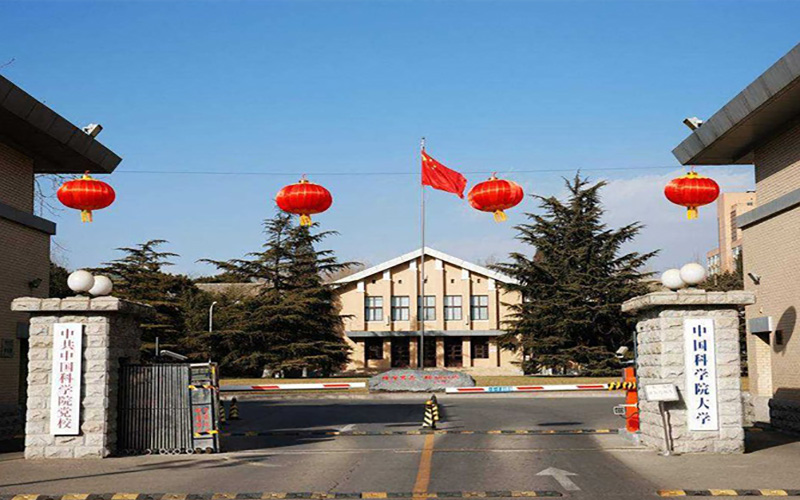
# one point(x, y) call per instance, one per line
point(56, 145)
point(429, 252)
point(761, 110)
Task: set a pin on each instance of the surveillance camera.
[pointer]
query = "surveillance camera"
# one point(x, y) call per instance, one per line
point(93, 129)
point(755, 277)
point(693, 123)
point(622, 351)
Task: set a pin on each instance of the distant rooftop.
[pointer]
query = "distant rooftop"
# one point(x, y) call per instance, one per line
point(761, 110)
point(56, 145)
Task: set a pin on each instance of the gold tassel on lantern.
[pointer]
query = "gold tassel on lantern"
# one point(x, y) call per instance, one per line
point(305, 220)
point(499, 216)
point(691, 213)
point(86, 216)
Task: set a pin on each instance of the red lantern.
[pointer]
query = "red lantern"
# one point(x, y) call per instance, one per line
point(692, 190)
point(495, 195)
point(86, 194)
point(304, 199)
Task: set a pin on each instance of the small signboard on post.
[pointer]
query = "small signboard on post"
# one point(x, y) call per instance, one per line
point(661, 392)
point(65, 388)
point(701, 374)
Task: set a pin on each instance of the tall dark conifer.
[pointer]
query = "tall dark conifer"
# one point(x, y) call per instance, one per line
point(140, 276)
point(293, 322)
point(573, 283)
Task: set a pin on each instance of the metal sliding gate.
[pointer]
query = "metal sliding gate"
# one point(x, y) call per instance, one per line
point(167, 409)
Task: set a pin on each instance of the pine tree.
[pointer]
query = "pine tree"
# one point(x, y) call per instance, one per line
point(725, 282)
point(293, 323)
point(573, 285)
point(58, 282)
point(139, 276)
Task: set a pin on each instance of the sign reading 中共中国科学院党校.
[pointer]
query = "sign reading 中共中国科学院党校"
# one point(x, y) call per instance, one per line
point(65, 388)
point(701, 374)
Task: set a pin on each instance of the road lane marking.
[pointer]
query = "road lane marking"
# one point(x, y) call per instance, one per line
point(562, 477)
point(424, 471)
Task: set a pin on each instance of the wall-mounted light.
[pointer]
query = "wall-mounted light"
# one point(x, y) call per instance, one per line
point(35, 283)
point(755, 277)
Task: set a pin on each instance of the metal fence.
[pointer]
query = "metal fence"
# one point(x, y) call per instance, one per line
point(155, 414)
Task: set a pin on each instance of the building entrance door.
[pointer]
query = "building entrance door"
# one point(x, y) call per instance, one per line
point(429, 352)
point(401, 353)
point(453, 352)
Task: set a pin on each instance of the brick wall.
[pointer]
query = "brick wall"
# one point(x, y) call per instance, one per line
point(16, 179)
point(770, 249)
point(24, 256)
point(778, 166)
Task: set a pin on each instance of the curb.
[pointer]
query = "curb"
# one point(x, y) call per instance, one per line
point(517, 432)
point(286, 495)
point(729, 493)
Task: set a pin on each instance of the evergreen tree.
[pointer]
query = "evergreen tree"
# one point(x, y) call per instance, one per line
point(58, 282)
point(293, 322)
point(573, 285)
point(139, 276)
point(725, 282)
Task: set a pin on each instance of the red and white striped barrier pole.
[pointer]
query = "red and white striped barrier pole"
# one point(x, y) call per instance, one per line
point(291, 387)
point(526, 388)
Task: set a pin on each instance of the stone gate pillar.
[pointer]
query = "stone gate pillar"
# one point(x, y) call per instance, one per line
point(109, 334)
point(690, 338)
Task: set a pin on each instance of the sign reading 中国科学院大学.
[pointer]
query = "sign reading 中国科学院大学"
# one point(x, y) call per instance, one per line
point(65, 388)
point(701, 374)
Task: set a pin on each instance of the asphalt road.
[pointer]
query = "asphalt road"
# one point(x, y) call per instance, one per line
point(585, 465)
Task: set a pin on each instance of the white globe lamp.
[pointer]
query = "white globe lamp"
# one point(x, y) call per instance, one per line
point(102, 286)
point(693, 274)
point(672, 279)
point(80, 281)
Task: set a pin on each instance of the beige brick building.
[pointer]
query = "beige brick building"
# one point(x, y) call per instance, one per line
point(33, 140)
point(464, 309)
point(729, 206)
point(761, 127)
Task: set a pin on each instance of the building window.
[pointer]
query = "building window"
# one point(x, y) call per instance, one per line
point(452, 307)
point(480, 347)
point(400, 307)
point(734, 227)
point(373, 308)
point(427, 313)
point(373, 349)
point(479, 307)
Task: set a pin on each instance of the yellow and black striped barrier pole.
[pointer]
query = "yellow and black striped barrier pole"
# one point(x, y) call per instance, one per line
point(622, 386)
point(428, 420)
point(435, 408)
point(234, 412)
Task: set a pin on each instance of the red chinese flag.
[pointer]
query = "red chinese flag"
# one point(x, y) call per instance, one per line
point(437, 176)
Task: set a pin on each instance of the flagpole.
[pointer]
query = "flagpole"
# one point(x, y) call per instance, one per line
point(422, 268)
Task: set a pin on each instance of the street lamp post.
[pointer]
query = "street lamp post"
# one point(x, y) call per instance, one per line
point(211, 316)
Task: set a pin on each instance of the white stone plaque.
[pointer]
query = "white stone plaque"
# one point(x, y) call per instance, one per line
point(661, 392)
point(65, 388)
point(701, 374)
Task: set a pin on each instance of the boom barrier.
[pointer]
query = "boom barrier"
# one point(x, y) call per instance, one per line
point(291, 387)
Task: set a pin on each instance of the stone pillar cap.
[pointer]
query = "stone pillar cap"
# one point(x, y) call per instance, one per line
point(80, 304)
point(690, 297)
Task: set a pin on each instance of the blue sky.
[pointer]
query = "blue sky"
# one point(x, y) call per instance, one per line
point(336, 87)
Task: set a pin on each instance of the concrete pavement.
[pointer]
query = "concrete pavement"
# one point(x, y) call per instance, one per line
point(578, 466)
